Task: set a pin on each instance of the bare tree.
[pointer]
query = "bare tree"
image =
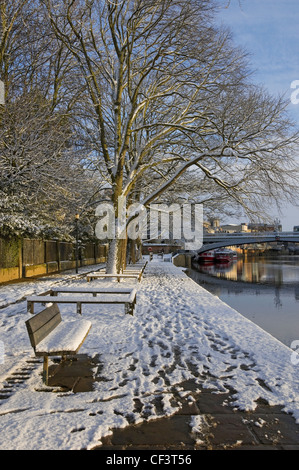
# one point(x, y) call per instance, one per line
point(250, 155)
point(167, 92)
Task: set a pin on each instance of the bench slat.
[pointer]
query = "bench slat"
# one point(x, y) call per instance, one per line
point(128, 299)
point(42, 324)
point(97, 290)
point(134, 274)
point(96, 275)
point(74, 299)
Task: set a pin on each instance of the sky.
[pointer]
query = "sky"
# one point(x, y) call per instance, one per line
point(268, 30)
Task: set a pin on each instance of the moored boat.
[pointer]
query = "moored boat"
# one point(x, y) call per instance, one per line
point(224, 255)
point(206, 257)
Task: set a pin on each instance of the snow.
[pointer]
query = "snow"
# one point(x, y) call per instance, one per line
point(67, 336)
point(179, 331)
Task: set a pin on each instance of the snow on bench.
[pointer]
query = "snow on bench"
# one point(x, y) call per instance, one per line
point(50, 336)
point(137, 267)
point(131, 271)
point(91, 290)
point(107, 296)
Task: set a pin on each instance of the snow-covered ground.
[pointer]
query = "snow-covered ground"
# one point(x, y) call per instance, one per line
point(179, 331)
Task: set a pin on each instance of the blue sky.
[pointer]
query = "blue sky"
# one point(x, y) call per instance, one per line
point(269, 31)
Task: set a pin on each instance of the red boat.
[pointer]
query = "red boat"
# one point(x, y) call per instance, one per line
point(206, 257)
point(224, 256)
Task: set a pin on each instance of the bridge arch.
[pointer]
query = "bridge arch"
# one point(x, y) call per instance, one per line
point(214, 241)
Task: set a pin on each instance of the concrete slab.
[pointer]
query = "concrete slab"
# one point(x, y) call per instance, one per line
point(73, 374)
point(223, 427)
point(173, 431)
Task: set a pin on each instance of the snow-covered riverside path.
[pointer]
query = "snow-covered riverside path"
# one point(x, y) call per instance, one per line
point(178, 332)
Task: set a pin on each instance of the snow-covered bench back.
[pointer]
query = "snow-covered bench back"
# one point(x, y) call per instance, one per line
point(50, 336)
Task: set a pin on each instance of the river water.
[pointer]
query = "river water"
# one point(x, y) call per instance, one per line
point(263, 289)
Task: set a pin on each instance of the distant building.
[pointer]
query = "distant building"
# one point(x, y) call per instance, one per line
point(232, 228)
point(265, 227)
point(215, 227)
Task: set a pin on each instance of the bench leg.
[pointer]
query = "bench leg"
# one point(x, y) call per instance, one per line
point(30, 307)
point(79, 308)
point(129, 308)
point(45, 370)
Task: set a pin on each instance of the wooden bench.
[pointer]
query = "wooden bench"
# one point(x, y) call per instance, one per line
point(119, 276)
point(50, 336)
point(132, 270)
point(138, 266)
point(91, 290)
point(127, 297)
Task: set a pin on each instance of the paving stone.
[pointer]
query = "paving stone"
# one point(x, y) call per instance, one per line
point(189, 408)
point(278, 429)
point(84, 384)
point(74, 374)
point(267, 427)
point(166, 431)
point(230, 430)
point(213, 403)
point(255, 447)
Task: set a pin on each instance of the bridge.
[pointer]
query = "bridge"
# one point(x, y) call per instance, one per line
point(212, 241)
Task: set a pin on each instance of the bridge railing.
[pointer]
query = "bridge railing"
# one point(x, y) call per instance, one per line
point(250, 235)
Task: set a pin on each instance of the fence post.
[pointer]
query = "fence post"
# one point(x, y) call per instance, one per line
point(45, 256)
point(22, 259)
point(58, 254)
point(20, 262)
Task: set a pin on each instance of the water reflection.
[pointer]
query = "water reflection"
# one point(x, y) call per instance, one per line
point(284, 270)
point(265, 290)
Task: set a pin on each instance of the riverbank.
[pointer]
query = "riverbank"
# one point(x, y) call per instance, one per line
point(179, 334)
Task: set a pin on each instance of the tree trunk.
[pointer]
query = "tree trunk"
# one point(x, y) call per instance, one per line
point(113, 256)
point(116, 259)
point(123, 254)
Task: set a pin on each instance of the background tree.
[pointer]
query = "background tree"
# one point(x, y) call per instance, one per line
point(168, 91)
point(44, 180)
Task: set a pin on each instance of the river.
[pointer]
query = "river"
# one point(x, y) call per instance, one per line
point(263, 289)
